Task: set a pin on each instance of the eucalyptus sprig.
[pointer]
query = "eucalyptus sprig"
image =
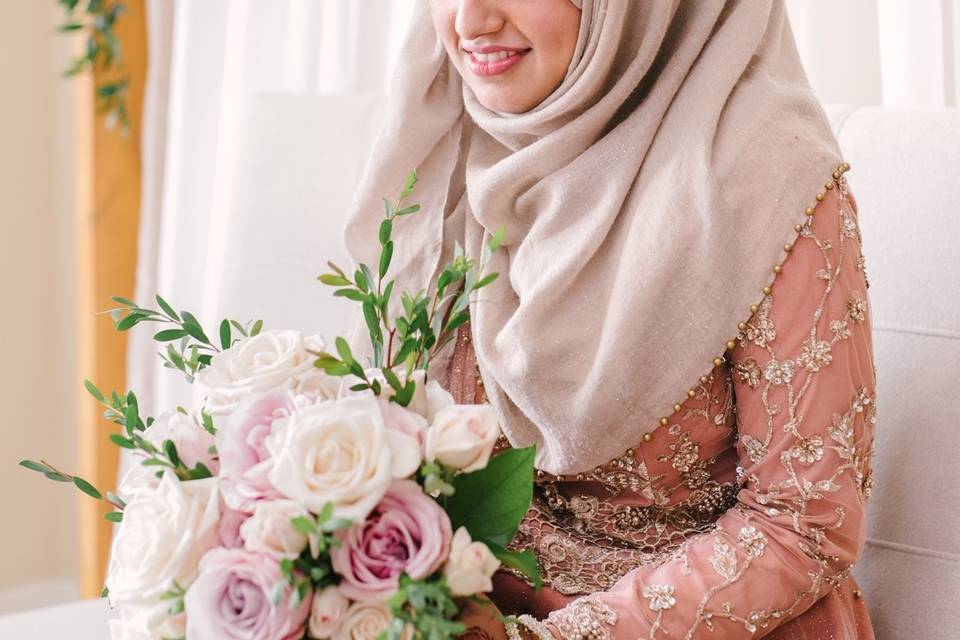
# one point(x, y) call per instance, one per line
point(102, 50)
point(188, 349)
point(313, 568)
point(427, 607)
point(428, 322)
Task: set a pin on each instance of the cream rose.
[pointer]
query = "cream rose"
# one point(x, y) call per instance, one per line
point(328, 608)
point(267, 361)
point(335, 451)
point(470, 565)
point(270, 530)
point(366, 621)
point(163, 535)
point(462, 436)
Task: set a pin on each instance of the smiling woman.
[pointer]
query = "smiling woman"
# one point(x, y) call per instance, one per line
point(511, 54)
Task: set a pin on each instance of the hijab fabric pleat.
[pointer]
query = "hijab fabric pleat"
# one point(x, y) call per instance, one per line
point(645, 202)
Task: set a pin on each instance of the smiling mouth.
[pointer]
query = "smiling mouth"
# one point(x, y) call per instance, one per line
point(491, 63)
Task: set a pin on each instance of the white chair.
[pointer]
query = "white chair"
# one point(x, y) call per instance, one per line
point(906, 179)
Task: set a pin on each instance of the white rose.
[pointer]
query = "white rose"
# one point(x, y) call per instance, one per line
point(270, 530)
point(334, 451)
point(328, 608)
point(462, 436)
point(267, 361)
point(366, 621)
point(160, 541)
point(470, 565)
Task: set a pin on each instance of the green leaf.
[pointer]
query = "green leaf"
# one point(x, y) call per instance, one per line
point(168, 335)
point(388, 208)
point(304, 525)
point(498, 238)
point(120, 441)
point(334, 280)
point(94, 391)
point(385, 257)
point(34, 466)
point(257, 326)
point(344, 350)
point(492, 501)
point(167, 309)
point(124, 301)
point(485, 280)
point(113, 516)
point(130, 321)
point(408, 210)
point(225, 337)
point(170, 449)
point(351, 294)
point(523, 561)
point(87, 488)
point(386, 228)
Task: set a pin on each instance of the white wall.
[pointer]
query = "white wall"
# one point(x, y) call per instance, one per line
point(38, 381)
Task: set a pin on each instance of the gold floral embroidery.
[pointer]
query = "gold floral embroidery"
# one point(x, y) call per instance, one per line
point(584, 619)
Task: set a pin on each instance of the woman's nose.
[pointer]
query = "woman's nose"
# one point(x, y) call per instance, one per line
point(476, 18)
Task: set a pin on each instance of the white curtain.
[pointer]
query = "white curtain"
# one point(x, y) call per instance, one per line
point(895, 53)
point(259, 116)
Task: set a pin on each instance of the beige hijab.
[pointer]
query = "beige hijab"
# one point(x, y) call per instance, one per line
point(645, 202)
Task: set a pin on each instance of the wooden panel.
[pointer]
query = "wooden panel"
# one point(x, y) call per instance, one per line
point(108, 213)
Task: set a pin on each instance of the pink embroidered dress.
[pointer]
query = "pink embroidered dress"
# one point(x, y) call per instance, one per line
point(741, 515)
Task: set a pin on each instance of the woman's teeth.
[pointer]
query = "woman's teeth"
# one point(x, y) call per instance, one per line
point(493, 57)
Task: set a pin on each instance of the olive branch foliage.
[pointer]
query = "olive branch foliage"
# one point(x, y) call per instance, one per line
point(102, 49)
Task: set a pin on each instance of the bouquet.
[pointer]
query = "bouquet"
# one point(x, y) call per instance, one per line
point(310, 496)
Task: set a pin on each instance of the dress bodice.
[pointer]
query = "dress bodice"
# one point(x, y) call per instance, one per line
point(744, 507)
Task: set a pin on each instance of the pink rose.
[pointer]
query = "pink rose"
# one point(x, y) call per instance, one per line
point(230, 522)
point(407, 531)
point(244, 460)
point(231, 600)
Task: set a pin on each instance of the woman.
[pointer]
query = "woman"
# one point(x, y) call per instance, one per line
point(681, 325)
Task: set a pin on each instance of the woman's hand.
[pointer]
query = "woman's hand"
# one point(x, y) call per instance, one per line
point(483, 620)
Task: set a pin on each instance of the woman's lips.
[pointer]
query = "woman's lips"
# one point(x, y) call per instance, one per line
point(491, 61)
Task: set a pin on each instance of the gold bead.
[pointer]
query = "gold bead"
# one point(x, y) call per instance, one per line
point(717, 361)
point(647, 437)
point(797, 228)
point(731, 344)
point(630, 452)
point(598, 470)
point(829, 185)
point(846, 166)
point(580, 476)
point(754, 307)
point(837, 174)
point(787, 247)
point(808, 211)
point(676, 408)
point(704, 379)
point(664, 421)
point(691, 393)
point(767, 290)
point(819, 197)
point(778, 269)
point(741, 325)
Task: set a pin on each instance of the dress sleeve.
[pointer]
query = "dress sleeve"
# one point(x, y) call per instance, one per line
point(804, 381)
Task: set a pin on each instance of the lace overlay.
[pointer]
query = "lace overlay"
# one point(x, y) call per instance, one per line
point(770, 451)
